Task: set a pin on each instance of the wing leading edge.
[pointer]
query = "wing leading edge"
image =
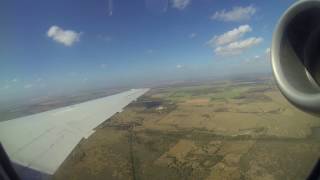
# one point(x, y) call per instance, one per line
point(43, 141)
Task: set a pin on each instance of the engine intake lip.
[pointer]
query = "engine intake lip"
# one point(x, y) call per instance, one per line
point(291, 76)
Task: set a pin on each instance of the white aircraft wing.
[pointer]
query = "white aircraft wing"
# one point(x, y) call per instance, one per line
point(43, 141)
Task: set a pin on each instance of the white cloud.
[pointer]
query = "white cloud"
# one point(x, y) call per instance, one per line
point(179, 66)
point(65, 37)
point(230, 36)
point(238, 47)
point(15, 80)
point(236, 14)
point(180, 4)
point(192, 35)
point(231, 42)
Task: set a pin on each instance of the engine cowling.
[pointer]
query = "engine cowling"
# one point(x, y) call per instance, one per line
point(295, 55)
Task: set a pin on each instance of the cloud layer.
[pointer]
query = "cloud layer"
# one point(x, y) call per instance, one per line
point(180, 4)
point(65, 37)
point(230, 36)
point(230, 42)
point(236, 14)
point(238, 47)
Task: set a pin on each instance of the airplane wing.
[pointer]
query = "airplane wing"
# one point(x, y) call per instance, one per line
point(43, 141)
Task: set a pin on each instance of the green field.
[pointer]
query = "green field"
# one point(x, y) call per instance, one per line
point(225, 130)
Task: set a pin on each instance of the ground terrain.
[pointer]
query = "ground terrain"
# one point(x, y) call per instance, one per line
point(221, 130)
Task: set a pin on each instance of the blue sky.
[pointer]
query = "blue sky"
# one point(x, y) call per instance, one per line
point(61, 45)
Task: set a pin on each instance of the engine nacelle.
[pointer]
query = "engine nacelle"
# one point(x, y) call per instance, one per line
point(295, 55)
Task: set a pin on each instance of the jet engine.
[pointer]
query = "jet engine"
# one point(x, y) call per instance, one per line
point(295, 55)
